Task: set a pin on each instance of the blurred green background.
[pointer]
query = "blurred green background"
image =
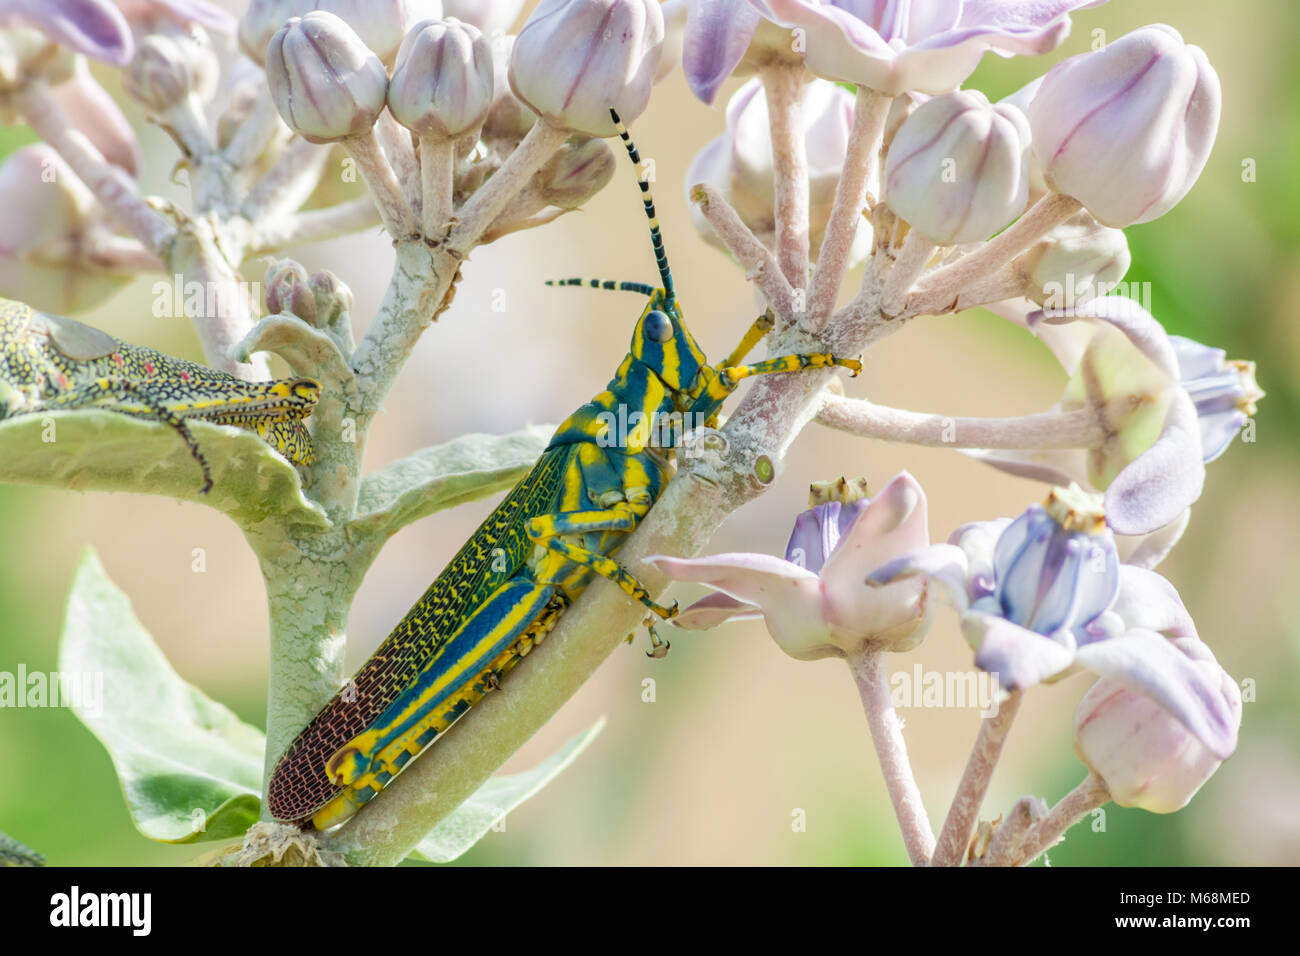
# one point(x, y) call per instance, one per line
point(739, 737)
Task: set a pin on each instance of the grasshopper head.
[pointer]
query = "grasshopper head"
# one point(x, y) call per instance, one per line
point(663, 344)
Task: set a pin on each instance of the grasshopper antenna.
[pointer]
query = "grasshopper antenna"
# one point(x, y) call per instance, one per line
point(647, 197)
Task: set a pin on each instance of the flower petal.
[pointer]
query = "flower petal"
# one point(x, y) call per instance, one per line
point(789, 596)
point(892, 524)
point(1018, 656)
point(94, 27)
point(1149, 664)
point(944, 564)
point(714, 609)
point(718, 33)
point(1148, 550)
point(1148, 601)
point(1162, 482)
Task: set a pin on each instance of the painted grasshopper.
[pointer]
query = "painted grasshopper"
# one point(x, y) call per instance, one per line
point(50, 363)
point(509, 584)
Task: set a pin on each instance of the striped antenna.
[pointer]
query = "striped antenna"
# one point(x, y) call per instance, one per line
point(638, 287)
point(656, 238)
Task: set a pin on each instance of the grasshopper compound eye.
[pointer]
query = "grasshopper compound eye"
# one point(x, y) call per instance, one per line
point(658, 327)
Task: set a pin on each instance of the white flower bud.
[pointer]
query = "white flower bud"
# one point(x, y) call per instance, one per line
point(574, 59)
point(1147, 758)
point(490, 16)
point(167, 68)
point(442, 83)
point(958, 168)
point(325, 82)
point(578, 170)
point(381, 24)
point(1075, 262)
point(1127, 130)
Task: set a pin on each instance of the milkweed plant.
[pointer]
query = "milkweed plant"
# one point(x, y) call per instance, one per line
point(851, 141)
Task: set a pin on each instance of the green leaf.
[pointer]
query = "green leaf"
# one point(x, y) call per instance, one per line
point(13, 853)
point(190, 769)
point(464, 469)
point(471, 821)
point(93, 449)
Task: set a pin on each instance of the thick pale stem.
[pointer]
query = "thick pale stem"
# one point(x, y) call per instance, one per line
point(1074, 429)
point(1010, 834)
point(255, 133)
point(480, 211)
point(288, 184)
point(382, 182)
point(116, 253)
point(437, 175)
point(942, 288)
point(955, 836)
point(761, 267)
point(872, 677)
point(911, 263)
point(114, 189)
point(396, 141)
point(860, 163)
point(1082, 800)
point(316, 225)
point(783, 84)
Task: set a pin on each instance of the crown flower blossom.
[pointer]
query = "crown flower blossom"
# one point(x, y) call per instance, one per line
point(815, 601)
point(1126, 130)
point(896, 46)
point(95, 28)
point(575, 59)
point(1044, 595)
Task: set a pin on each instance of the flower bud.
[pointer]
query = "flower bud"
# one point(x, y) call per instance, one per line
point(1147, 758)
point(333, 298)
point(575, 59)
point(739, 163)
point(169, 67)
point(442, 83)
point(1126, 130)
point(289, 290)
point(490, 16)
point(508, 120)
point(1223, 391)
point(43, 235)
point(958, 169)
point(1075, 262)
point(578, 170)
point(381, 24)
point(326, 84)
point(26, 53)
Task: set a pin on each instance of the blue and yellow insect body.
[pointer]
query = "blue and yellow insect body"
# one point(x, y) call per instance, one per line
point(51, 363)
point(509, 584)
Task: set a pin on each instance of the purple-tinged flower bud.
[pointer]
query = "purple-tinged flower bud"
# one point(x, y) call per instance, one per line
point(740, 166)
point(1146, 756)
point(333, 298)
point(575, 59)
point(169, 67)
point(1224, 392)
point(26, 54)
point(958, 168)
point(1075, 262)
point(578, 170)
point(508, 120)
point(1055, 566)
point(326, 84)
point(442, 83)
point(49, 214)
point(490, 16)
point(381, 24)
point(289, 290)
point(1126, 130)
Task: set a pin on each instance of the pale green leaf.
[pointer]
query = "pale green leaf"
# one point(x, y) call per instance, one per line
point(472, 820)
point(93, 449)
point(13, 853)
point(464, 469)
point(189, 768)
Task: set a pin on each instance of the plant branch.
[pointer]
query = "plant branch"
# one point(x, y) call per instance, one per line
point(315, 225)
point(437, 169)
point(1090, 794)
point(783, 84)
point(872, 677)
point(955, 836)
point(761, 267)
point(857, 416)
point(385, 190)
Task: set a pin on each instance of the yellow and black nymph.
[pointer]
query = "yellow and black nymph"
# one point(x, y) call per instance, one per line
point(509, 584)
